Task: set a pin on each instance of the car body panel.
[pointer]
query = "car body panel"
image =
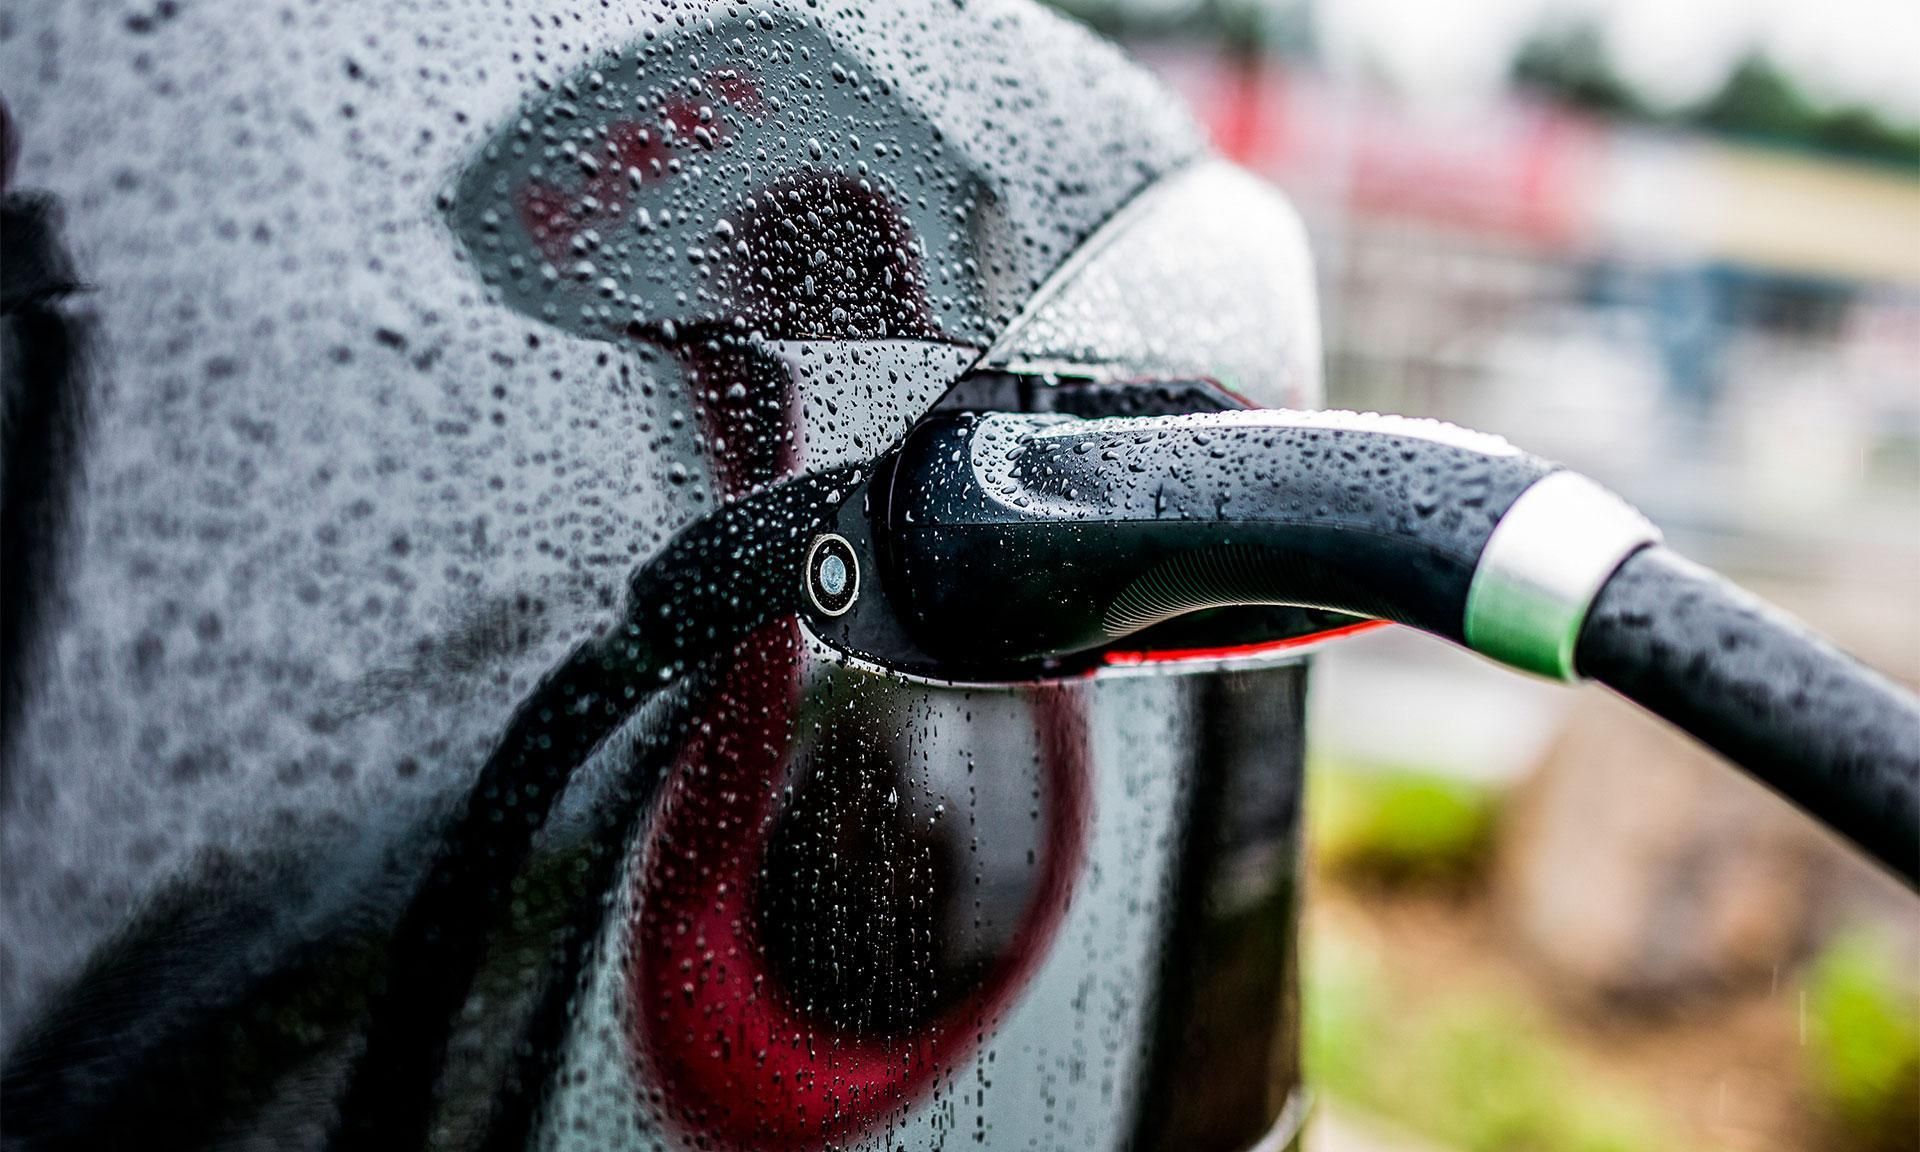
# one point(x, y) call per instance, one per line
point(348, 485)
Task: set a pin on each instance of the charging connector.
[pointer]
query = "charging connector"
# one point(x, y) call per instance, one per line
point(1006, 540)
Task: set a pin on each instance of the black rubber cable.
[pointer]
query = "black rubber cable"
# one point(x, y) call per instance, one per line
point(1010, 540)
point(1757, 686)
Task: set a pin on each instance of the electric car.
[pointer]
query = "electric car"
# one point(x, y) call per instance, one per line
point(359, 360)
point(501, 648)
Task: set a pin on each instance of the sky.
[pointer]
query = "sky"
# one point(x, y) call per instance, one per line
point(1865, 51)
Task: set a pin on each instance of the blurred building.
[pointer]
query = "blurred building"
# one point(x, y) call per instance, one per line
point(1729, 334)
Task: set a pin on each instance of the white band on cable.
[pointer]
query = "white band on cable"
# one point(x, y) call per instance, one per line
point(1546, 561)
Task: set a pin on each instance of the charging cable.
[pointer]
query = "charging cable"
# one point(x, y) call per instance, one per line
point(1006, 537)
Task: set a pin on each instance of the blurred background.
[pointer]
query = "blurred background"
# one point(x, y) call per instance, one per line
point(1676, 246)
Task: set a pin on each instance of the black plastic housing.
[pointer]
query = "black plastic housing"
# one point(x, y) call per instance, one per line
point(1010, 538)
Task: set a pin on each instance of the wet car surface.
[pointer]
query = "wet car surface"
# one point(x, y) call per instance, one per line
point(375, 360)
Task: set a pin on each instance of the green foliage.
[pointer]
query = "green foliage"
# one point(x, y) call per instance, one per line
point(1473, 1070)
point(1571, 64)
point(1863, 1024)
point(1399, 825)
point(1758, 100)
point(1761, 101)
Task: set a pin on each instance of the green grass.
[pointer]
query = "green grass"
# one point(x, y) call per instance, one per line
point(1863, 1032)
point(1481, 1069)
point(1400, 825)
point(1475, 1070)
